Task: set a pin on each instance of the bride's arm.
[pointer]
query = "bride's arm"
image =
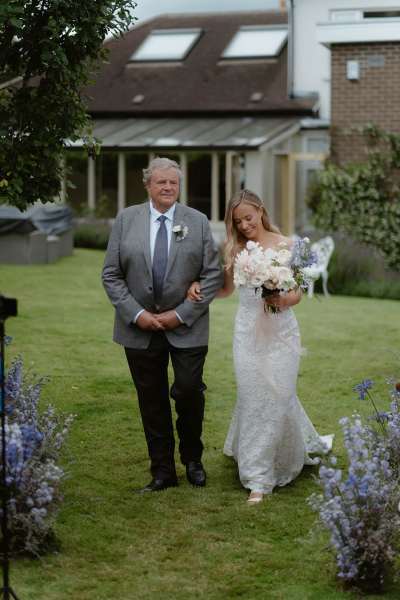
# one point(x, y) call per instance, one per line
point(194, 292)
point(228, 286)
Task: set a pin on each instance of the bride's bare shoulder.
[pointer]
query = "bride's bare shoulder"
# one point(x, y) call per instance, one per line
point(279, 239)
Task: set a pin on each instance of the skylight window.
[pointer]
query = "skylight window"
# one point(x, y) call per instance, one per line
point(382, 14)
point(166, 44)
point(256, 42)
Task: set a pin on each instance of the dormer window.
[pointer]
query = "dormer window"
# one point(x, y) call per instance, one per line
point(166, 45)
point(256, 42)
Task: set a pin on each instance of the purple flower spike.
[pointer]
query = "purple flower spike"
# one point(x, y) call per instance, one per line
point(360, 506)
point(363, 387)
point(382, 416)
point(35, 439)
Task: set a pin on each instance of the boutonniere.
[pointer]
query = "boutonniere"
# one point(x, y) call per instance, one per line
point(180, 231)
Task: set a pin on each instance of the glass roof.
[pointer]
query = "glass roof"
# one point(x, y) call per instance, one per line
point(166, 44)
point(256, 42)
point(207, 133)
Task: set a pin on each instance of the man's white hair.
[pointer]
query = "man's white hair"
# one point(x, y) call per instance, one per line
point(160, 163)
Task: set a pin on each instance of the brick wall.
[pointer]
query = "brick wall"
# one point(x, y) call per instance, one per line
point(373, 98)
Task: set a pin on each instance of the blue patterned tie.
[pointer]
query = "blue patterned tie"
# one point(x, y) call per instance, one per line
point(160, 259)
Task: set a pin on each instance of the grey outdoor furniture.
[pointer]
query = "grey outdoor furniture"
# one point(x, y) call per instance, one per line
point(40, 235)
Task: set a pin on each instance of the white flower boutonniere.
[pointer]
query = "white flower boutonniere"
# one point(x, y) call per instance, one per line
point(180, 231)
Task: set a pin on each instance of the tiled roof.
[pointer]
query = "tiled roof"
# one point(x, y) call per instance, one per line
point(203, 83)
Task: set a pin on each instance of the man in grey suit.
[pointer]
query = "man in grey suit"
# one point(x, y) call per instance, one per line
point(156, 250)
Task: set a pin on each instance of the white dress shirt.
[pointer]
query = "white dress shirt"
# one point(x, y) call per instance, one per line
point(154, 227)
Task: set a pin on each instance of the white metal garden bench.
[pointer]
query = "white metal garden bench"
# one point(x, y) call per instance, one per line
point(323, 249)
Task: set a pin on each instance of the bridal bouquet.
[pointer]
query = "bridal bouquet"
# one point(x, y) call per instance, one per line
point(277, 270)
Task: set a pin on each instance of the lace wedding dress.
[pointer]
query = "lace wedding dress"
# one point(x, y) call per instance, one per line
point(270, 435)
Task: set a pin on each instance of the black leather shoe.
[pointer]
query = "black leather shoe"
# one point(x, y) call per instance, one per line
point(196, 474)
point(157, 485)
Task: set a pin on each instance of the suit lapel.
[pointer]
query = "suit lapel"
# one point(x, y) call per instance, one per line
point(174, 247)
point(144, 234)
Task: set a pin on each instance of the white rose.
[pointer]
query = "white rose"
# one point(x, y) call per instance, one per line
point(284, 257)
point(239, 279)
point(285, 278)
point(252, 245)
point(270, 254)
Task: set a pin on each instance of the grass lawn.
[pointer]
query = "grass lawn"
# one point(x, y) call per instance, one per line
point(183, 543)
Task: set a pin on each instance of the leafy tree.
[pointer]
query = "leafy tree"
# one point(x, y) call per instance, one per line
point(48, 51)
point(363, 199)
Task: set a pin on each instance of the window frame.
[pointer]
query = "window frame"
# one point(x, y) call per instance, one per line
point(255, 28)
point(196, 31)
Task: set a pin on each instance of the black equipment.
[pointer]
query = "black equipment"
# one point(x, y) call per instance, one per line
point(8, 308)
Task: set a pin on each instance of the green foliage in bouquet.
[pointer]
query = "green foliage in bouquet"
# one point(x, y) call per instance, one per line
point(48, 50)
point(363, 199)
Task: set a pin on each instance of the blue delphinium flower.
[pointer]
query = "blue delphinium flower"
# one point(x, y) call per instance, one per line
point(382, 416)
point(363, 387)
point(34, 441)
point(302, 255)
point(358, 509)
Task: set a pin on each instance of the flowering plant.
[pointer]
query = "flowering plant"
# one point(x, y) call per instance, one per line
point(33, 477)
point(361, 508)
point(181, 231)
point(275, 271)
point(388, 421)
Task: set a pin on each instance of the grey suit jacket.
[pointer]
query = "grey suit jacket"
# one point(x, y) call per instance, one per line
point(127, 276)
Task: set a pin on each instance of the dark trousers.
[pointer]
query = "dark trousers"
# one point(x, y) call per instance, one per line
point(149, 370)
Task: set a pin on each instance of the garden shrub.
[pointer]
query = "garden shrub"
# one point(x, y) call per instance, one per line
point(352, 273)
point(91, 236)
point(363, 199)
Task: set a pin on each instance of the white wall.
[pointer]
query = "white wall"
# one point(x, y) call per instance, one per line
point(255, 172)
point(311, 59)
point(259, 176)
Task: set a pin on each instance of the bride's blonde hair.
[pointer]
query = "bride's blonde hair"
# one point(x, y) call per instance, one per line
point(235, 241)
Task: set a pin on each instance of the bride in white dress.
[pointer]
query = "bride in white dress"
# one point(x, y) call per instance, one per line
point(270, 435)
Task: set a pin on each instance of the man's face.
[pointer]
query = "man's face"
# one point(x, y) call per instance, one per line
point(163, 188)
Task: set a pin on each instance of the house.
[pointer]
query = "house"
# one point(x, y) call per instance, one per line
point(212, 91)
point(354, 49)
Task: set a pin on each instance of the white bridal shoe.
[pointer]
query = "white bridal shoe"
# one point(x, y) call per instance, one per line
point(255, 498)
